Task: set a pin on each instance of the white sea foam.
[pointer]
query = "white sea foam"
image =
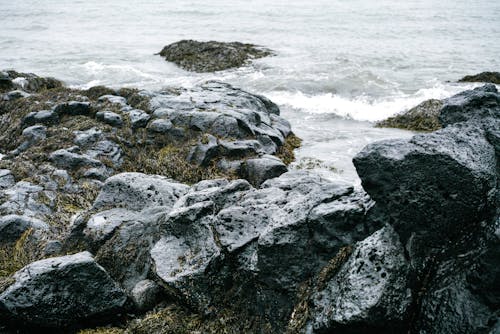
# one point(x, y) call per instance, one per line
point(364, 108)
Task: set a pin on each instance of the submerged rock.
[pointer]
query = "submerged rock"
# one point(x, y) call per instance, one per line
point(424, 117)
point(491, 77)
point(61, 291)
point(211, 56)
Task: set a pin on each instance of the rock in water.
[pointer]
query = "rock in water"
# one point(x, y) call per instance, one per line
point(423, 117)
point(211, 56)
point(491, 77)
point(61, 291)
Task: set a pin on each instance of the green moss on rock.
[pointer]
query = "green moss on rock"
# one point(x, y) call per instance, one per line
point(423, 117)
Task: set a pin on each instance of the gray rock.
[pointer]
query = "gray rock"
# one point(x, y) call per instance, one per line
point(61, 291)
point(23, 198)
point(108, 150)
point(6, 179)
point(13, 226)
point(102, 225)
point(182, 257)
point(15, 94)
point(480, 103)
point(68, 160)
point(256, 171)
point(73, 108)
point(110, 118)
point(48, 117)
point(113, 99)
point(52, 248)
point(160, 126)
point(369, 292)
point(100, 174)
point(35, 133)
point(206, 150)
point(87, 137)
point(145, 295)
point(240, 148)
point(136, 192)
point(138, 118)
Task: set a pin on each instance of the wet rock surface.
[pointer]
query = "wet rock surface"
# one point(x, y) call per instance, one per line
point(165, 237)
point(211, 56)
point(60, 291)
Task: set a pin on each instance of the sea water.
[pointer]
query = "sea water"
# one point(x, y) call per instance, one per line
point(340, 65)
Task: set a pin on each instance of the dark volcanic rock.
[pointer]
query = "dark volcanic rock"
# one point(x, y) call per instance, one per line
point(480, 104)
point(371, 290)
point(224, 233)
point(211, 56)
point(432, 187)
point(424, 117)
point(256, 171)
point(61, 291)
point(491, 77)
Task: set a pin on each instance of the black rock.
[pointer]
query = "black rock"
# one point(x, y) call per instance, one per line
point(480, 104)
point(211, 56)
point(61, 291)
point(432, 187)
point(491, 77)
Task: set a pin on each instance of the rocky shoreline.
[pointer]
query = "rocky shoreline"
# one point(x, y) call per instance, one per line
point(128, 211)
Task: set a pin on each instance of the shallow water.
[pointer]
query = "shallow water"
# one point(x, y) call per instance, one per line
point(339, 65)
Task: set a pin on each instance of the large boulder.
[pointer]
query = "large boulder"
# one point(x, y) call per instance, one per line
point(211, 56)
point(432, 187)
point(61, 291)
point(255, 246)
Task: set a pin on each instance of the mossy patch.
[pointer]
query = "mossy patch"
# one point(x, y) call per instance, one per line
point(424, 117)
point(286, 152)
point(15, 256)
point(170, 161)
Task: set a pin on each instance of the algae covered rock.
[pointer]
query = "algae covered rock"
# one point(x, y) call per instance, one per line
point(423, 117)
point(211, 56)
point(491, 77)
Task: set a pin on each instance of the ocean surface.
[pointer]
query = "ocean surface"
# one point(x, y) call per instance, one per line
point(339, 66)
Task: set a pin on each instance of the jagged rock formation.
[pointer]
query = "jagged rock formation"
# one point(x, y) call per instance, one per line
point(211, 56)
point(280, 252)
